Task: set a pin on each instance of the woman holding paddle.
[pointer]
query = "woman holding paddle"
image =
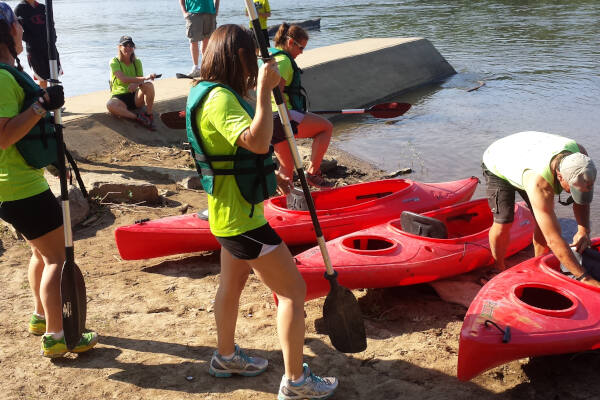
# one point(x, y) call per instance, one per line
point(221, 124)
point(290, 41)
point(26, 201)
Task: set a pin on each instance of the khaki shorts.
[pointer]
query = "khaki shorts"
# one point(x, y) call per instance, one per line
point(200, 26)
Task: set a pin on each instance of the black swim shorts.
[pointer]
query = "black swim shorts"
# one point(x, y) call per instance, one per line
point(127, 98)
point(38, 61)
point(501, 197)
point(279, 132)
point(34, 216)
point(251, 244)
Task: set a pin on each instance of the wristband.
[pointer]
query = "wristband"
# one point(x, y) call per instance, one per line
point(582, 276)
point(38, 109)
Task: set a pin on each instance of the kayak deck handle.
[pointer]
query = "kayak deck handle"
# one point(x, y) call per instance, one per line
point(505, 332)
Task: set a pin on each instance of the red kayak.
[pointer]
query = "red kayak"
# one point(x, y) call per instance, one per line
point(531, 309)
point(396, 253)
point(340, 211)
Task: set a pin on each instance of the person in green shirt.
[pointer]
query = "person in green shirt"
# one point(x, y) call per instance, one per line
point(263, 9)
point(538, 166)
point(26, 201)
point(290, 41)
point(220, 121)
point(129, 88)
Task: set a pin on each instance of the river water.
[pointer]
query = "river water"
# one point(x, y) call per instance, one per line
point(538, 59)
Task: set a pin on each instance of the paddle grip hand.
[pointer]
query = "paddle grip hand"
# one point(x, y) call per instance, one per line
point(53, 98)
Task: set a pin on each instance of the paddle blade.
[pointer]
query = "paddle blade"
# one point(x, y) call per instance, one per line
point(173, 119)
point(389, 110)
point(343, 318)
point(74, 303)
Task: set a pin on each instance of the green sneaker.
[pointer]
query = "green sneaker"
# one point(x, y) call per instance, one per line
point(37, 325)
point(53, 348)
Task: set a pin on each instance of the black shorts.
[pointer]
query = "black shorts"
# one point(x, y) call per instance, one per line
point(501, 197)
point(34, 216)
point(279, 132)
point(251, 244)
point(38, 61)
point(127, 98)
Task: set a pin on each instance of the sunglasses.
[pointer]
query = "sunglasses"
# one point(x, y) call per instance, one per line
point(128, 45)
point(297, 44)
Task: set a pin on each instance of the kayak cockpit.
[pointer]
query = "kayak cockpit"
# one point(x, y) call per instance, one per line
point(351, 195)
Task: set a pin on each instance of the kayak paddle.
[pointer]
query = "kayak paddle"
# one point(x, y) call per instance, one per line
point(383, 110)
point(72, 285)
point(176, 119)
point(341, 311)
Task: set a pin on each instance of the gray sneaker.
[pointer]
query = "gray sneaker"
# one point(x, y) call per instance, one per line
point(240, 364)
point(313, 387)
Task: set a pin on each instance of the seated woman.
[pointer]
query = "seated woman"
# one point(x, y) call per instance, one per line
point(223, 124)
point(290, 42)
point(129, 88)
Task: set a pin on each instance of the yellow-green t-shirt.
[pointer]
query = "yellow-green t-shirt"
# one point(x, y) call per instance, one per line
point(262, 6)
point(133, 69)
point(222, 120)
point(287, 73)
point(18, 180)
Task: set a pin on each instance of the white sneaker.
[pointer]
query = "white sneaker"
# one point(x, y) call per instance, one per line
point(195, 72)
point(312, 387)
point(240, 364)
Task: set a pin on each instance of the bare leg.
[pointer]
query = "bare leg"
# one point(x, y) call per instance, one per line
point(499, 239)
point(145, 96)
point(320, 130)
point(118, 108)
point(234, 273)
point(278, 271)
point(194, 52)
point(34, 273)
point(204, 44)
point(51, 247)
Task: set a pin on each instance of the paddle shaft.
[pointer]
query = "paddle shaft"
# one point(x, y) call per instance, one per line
point(64, 192)
point(72, 287)
point(285, 121)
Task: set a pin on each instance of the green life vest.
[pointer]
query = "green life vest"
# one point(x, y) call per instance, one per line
point(38, 147)
point(295, 91)
point(253, 172)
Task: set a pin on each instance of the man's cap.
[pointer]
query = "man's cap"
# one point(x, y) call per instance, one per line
point(579, 171)
point(6, 13)
point(125, 40)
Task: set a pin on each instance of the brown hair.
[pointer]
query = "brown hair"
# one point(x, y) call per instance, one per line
point(222, 61)
point(286, 31)
point(7, 40)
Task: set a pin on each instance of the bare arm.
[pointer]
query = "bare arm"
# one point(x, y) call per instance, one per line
point(216, 7)
point(257, 138)
point(542, 201)
point(182, 5)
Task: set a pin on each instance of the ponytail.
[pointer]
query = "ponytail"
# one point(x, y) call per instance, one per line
point(286, 31)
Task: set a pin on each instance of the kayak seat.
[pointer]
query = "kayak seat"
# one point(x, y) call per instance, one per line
point(421, 225)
